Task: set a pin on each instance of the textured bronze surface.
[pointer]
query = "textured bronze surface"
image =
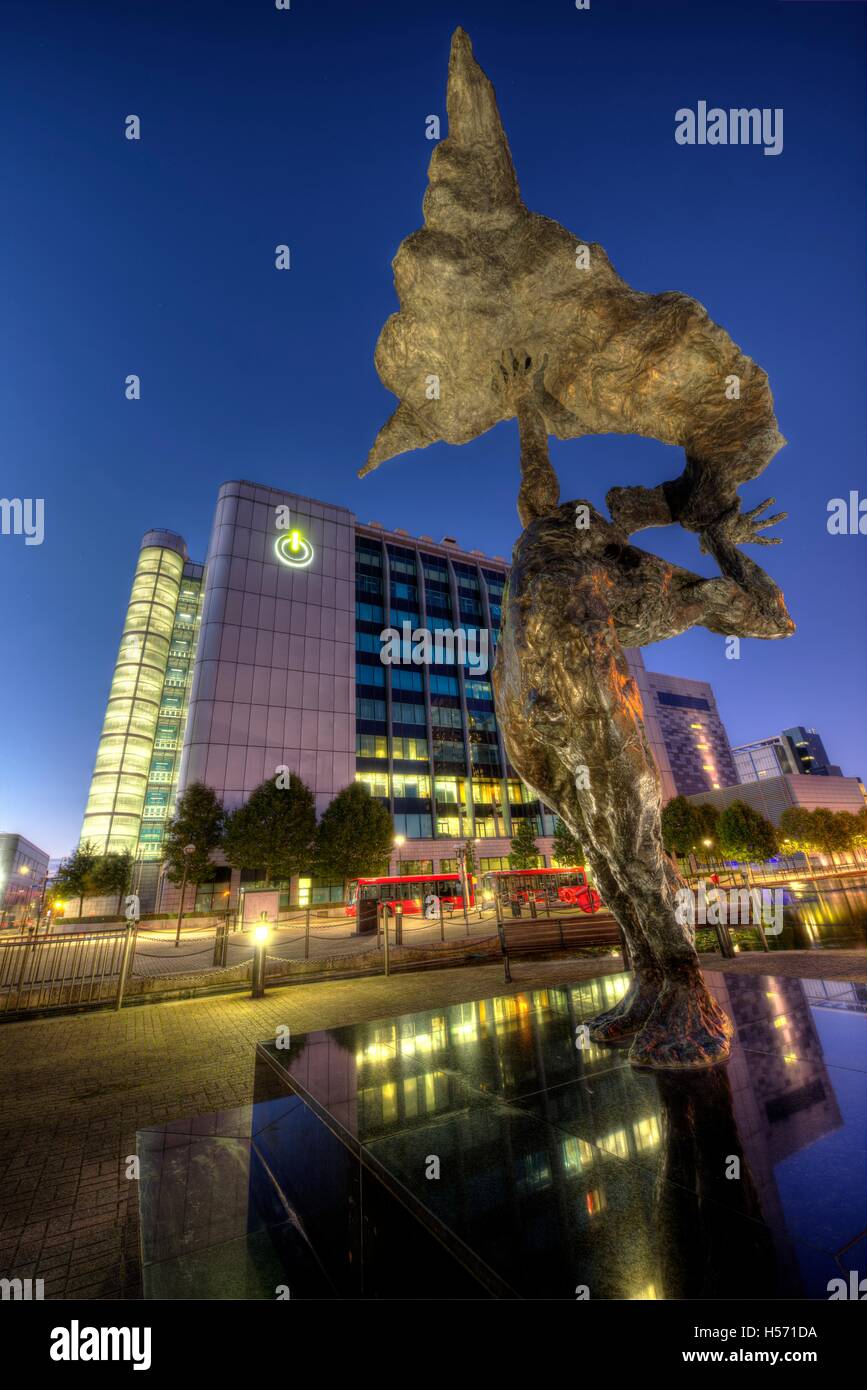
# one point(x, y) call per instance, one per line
point(496, 310)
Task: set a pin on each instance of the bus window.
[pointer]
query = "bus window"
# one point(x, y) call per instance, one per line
point(370, 892)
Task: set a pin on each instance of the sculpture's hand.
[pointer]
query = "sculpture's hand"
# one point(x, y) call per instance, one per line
point(518, 377)
point(741, 528)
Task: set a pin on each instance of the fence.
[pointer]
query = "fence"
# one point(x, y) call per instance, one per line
point(65, 970)
point(105, 967)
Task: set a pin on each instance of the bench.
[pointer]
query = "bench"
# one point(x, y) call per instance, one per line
point(551, 938)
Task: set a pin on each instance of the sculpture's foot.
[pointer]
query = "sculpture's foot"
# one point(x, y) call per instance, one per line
point(629, 1014)
point(687, 1028)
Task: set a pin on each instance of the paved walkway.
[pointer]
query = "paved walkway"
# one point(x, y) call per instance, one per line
point(76, 1089)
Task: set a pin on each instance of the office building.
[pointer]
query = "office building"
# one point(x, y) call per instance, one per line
point(794, 752)
point(23, 872)
point(268, 656)
point(686, 733)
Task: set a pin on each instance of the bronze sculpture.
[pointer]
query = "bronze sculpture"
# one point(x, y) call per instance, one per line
point(504, 314)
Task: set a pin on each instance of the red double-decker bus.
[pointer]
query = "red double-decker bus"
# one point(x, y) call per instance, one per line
point(568, 886)
point(409, 891)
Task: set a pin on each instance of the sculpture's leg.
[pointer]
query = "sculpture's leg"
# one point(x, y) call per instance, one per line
point(676, 1020)
point(633, 1010)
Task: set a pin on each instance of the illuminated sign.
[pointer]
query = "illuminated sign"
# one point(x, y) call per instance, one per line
point(293, 549)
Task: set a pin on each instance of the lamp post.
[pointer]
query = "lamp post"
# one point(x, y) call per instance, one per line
point(188, 850)
point(399, 842)
point(261, 935)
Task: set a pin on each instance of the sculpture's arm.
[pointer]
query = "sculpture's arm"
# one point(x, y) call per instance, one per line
point(745, 602)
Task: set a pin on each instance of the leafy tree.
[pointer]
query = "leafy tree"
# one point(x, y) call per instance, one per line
point(567, 848)
point(682, 826)
point(354, 837)
point(797, 829)
point(198, 820)
point(833, 830)
point(74, 877)
point(113, 874)
point(861, 828)
point(707, 816)
point(525, 851)
point(746, 834)
point(275, 831)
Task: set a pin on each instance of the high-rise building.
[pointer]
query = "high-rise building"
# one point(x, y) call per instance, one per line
point(794, 752)
point(686, 733)
point(269, 656)
point(134, 780)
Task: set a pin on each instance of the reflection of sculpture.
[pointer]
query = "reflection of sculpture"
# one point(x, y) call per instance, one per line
point(703, 1251)
point(504, 314)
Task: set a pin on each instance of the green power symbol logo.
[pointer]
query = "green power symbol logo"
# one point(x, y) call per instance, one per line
point(294, 549)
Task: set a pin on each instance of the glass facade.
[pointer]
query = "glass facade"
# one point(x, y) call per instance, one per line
point(427, 741)
point(134, 775)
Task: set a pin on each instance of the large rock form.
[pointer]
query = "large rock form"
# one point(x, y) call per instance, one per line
point(487, 281)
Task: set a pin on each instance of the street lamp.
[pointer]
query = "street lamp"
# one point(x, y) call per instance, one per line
point(188, 850)
point(399, 842)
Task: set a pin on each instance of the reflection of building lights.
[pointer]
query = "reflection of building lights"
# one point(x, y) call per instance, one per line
point(790, 1058)
point(647, 1294)
point(595, 1201)
point(780, 1021)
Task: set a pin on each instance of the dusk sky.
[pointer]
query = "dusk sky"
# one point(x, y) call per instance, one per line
point(307, 127)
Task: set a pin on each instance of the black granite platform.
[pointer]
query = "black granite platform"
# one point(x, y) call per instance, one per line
point(487, 1149)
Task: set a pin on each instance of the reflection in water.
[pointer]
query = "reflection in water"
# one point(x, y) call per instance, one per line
point(561, 1166)
point(703, 1177)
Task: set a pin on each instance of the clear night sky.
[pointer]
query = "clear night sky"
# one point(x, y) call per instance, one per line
point(308, 127)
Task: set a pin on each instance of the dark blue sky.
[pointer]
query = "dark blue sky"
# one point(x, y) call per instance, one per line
point(308, 127)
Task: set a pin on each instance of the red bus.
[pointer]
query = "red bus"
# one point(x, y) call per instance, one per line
point(568, 886)
point(409, 891)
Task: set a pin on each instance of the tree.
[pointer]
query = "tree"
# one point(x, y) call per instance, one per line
point(746, 834)
point(525, 851)
point(198, 820)
point(566, 848)
point(797, 829)
point(113, 874)
point(74, 877)
point(682, 826)
point(274, 831)
point(833, 831)
point(354, 837)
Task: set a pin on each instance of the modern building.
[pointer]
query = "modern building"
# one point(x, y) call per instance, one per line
point(23, 873)
point(796, 751)
point(686, 733)
point(268, 656)
point(134, 780)
point(773, 795)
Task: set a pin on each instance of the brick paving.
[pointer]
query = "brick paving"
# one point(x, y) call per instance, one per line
point(75, 1090)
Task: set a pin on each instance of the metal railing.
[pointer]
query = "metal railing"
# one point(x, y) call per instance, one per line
point(64, 970)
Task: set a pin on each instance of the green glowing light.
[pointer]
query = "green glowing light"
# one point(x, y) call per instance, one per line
point(294, 549)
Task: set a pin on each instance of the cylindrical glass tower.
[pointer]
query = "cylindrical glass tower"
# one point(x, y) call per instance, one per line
point(113, 815)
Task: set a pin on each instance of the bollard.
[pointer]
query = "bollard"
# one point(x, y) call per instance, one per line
point(385, 937)
point(307, 935)
point(398, 925)
point(260, 943)
point(442, 920)
point(507, 972)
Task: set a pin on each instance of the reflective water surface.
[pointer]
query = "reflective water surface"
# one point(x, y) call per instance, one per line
point(489, 1149)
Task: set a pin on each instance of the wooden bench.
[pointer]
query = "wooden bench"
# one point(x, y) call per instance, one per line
point(551, 938)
